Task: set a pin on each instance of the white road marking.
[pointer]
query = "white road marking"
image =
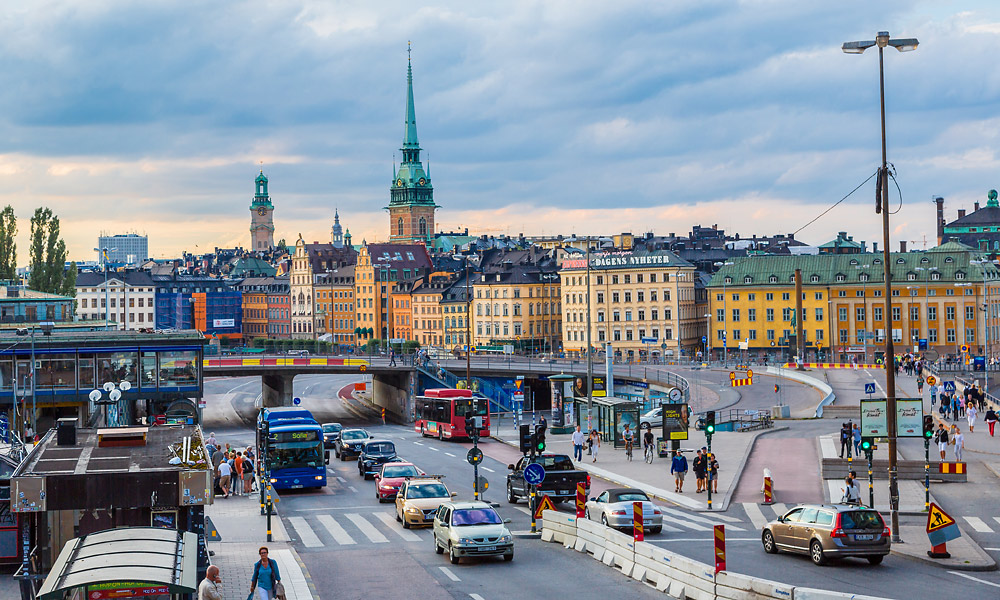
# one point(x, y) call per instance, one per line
point(292, 573)
point(687, 524)
point(433, 448)
point(487, 469)
point(341, 479)
point(306, 534)
point(997, 519)
point(419, 443)
point(450, 454)
point(408, 536)
point(978, 524)
point(983, 581)
point(728, 539)
point(827, 448)
point(450, 575)
point(725, 518)
point(779, 509)
point(367, 528)
point(755, 515)
point(695, 518)
point(476, 597)
point(353, 489)
point(339, 533)
point(522, 509)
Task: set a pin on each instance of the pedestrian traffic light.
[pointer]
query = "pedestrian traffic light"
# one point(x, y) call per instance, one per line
point(928, 427)
point(540, 441)
point(710, 422)
point(525, 439)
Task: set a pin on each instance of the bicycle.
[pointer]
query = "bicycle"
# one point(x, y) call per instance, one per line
point(628, 450)
point(649, 453)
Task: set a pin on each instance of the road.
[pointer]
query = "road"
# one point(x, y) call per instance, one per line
point(344, 535)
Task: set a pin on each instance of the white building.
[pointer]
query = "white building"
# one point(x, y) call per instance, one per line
point(124, 248)
point(129, 300)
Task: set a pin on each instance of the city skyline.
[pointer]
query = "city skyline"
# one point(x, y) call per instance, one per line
point(540, 121)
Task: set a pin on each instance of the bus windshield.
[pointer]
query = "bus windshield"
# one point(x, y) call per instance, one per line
point(296, 455)
point(470, 408)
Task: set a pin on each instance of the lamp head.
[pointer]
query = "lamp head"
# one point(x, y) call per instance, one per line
point(882, 39)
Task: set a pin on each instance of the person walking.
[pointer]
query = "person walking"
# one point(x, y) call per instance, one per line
point(266, 578)
point(209, 588)
point(217, 458)
point(941, 437)
point(957, 407)
point(225, 475)
point(679, 468)
point(845, 438)
point(857, 440)
point(392, 357)
point(920, 385)
point(934, 393)
point(970, 415)
point(211, 440)
point(851, 491)
point(238, 474)
point(713, 472)
point(959, 442)
point(595, 443)
point(247, 475)
point(991, 419)
point(698, 466)
point(578, 438)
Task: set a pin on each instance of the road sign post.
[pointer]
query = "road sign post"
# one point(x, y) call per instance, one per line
point(941, 529)
point(720, 548)
point(637, 533)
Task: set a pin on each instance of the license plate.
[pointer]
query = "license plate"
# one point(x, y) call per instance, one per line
point(487, 548)
point(647, 522)
point(550, 492)
point(865, 537)
point(295, 487)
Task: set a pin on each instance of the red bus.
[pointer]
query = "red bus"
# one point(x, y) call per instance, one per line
point(441, 413)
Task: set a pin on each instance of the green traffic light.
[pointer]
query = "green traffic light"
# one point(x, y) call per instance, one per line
point(865, 445)
point(710, 429)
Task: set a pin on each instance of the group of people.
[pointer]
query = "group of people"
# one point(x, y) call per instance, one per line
point(234, 469)
point(850, 439)
point(591, 440)
point(953, 437)
point(706, 470)
point(266, 580)
point(851, 490)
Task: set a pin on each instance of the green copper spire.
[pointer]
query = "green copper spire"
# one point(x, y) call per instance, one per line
point(410, 183)
point(991, 198)
point(410, 137)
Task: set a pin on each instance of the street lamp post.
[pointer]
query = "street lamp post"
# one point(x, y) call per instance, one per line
point(107, 296)
point(903, 45)
point(987, 307)
point(725, 318)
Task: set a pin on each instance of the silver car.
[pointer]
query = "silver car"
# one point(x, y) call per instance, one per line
point(652, 419)
point(613, 508)
point(468, 529)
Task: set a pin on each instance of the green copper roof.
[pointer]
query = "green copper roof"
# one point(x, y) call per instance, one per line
point(410, 135)
point(411, 184)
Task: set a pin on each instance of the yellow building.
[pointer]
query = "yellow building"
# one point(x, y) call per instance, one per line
point(379, 268)
point(517, 304)
point(641, 301)
point(334, 291)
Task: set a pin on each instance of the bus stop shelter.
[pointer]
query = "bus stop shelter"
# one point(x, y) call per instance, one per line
point(139, 563)
point(609, 417)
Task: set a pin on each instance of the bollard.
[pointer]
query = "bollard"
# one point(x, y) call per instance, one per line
point(269, 510)
point(637, 532)
point(768, 493)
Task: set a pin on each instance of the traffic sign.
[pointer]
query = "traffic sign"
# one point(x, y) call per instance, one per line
point(675, 394)
point(869, 388)
point(296, 401)
point(482, 484)
point(931, 380)
point(545, 504)
point(965, 348)
point(518, 382)
point(704, 339)
point(949, 386)
point(534, 474)
point(475, 456)
point(938, 519)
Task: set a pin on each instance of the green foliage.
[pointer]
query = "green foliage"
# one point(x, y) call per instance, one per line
point(48, 256)
point(410, 346)
point(8, 244)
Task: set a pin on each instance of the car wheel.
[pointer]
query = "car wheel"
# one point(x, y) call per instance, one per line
point(440, 435)
point(406, 524)
point(398, 518)
point(767, 539)
point(656, 530)
point(451, 555)
point(604, 520)
point(816, 553)
point(508, 557)
point(511, 498)
point(437, 547)
point(336, 452)
point(875, 560)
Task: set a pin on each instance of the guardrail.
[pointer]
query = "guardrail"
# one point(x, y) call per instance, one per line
point(669, 572)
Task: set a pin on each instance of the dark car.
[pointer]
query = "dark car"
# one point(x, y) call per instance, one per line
point(374, 454)
point(331, 432)
point(350, 443)
point(561, 478)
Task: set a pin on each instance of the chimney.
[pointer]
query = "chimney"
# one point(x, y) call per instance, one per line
point(875, 247)
point(961, 213)
point(976, 206)
point(939, 201)
point(902, 246)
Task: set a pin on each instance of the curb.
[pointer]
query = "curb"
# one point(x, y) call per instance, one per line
point(746, 457)
point(987, 562)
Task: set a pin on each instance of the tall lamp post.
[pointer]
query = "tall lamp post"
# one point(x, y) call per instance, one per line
point(987, 307)
point(903, 45)
point(103, 253)
point(725, 317)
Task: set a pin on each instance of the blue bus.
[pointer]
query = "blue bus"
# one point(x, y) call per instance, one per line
point(290, 447)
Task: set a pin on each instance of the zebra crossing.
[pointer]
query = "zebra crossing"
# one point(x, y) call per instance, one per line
point(761, 514)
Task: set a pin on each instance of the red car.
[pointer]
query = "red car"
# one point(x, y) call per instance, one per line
point(391, 476)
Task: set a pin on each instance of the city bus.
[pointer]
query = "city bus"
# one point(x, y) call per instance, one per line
point(290, 448)
point(441, 413)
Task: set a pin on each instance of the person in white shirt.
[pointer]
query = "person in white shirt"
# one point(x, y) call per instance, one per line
point(578, 439)
point(959, 444)
point(209, 588)
point(970, 415)
point(225, 476)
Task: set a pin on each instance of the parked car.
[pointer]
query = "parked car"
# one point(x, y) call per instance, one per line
point(297, 352)
point(374, 453)
point(350, 442)
point(825, 531)
point(613, 508)
point(468, 529)
point(331, 432)
point(561, 477)
point(652, 419)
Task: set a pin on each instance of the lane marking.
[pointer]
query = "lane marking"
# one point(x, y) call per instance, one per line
point(390, 522)
point(983, 581)
point(341, 479)
point(419, 443)
point(728, 539)
point(779, 509)
point(687, 524)
point(476, 597)
point(723, 517)
point(367, 528)
point(978, 524)
point(306, 534)
point(522, 509)
point(450, 575)
point(339, 534)
point(997, 519)
point(433, 448)
point(450, 454)
point(353, 489)
point(695, 518)
point(755, 515)
point(487, 469)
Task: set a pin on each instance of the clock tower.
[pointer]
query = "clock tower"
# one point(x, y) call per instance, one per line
point(261, 217)
point(411, 205)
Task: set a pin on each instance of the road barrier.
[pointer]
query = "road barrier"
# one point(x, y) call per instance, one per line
point(675, 575)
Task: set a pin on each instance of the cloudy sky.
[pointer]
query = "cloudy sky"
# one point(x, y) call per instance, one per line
point(544, 116)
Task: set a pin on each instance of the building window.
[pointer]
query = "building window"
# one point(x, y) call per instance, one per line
point(617, 335)
point(423, 226)
point(970, 313)
point(769, 314)
point(950, 336)
point(819, 314)
point(932, 313)
point(751, 314)
point(932, 336)
point(843, 336)
point(769, 296)
point(914, 313)
point(736, 314)
point(736, 335)
point(949, 313)
point(786, 314)
point(752, 334)
point(877, 313)
point(896, 313)
point(720, 315)
point(819, 335)
point(399, 226)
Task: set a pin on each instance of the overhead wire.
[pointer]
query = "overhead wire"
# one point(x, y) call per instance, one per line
point(837, 203)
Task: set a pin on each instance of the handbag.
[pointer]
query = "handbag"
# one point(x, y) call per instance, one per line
point(279, 590)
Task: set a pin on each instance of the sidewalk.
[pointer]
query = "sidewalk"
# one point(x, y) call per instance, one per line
point(731, 448)
point(244, 531)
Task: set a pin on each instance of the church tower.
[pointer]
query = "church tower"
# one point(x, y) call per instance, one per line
point(337, 232)
point(411, 205)
point(261, 217)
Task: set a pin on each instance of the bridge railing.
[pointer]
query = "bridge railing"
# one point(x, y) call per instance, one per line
point(499, 399)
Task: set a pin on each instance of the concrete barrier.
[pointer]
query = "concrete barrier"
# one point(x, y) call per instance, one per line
point(591, 535)
point(828, 396)
point(559, 527)
point(733, 586)
point(619, 550)
point(802, 593)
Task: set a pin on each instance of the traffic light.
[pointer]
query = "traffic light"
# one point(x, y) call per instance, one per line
point(776, 388)
point(868, 446)
point(928, 427)
point(710, 422)
point(539, 441)
point(525, 439)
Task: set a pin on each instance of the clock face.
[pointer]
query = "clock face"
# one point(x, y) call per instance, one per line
point(262, 212)
point(422, 181)
point(399, 182)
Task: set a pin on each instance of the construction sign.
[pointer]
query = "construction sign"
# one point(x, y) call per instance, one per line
point(938, 519)
point(545, 504)
point(637, 533)
point(941, 529)
point(720, 548)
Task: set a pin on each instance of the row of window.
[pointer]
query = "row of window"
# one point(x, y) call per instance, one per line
point(616, 335)
point(751, 334)
point(950, 335)
point(615, 278)
point(932, 313)
point(616, 297)
point(545, 290)
point(518, 329)
point(537, 308)
point(133, 317)
point(114, 302)
point(786, 314)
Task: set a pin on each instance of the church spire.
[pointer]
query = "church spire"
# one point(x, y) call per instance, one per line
point(411, 147)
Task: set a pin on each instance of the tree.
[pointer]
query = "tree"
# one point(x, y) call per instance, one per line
point(8, 245)
point(48, 256)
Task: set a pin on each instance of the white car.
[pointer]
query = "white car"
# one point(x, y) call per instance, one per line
point(613, 508)
point(652, 419)
point(471, 529)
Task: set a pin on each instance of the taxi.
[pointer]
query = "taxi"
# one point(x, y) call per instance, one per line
point(391, 476)
point(419, 498)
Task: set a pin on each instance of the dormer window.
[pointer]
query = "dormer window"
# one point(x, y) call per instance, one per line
point(949, 260)
point(911, 276)
point(959, 275)
point(728, 280)
point(772, 279)
point(814, 278)
point(925, 260)
point(935, 276)
point(841, 277)
point(900, 261)
point(748, 279)
point(854, 261)
point(864, 277)
point(877, 261)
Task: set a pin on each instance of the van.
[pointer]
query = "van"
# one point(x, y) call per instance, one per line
point(297, 353)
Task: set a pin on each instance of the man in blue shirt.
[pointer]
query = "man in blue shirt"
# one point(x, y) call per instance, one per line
point(678, 468)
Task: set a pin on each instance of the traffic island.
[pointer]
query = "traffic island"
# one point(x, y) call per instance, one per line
point(966, 555)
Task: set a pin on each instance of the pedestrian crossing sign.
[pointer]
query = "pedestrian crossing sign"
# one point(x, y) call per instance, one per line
point(545, 504)
point(938, 519)
point(869, 388)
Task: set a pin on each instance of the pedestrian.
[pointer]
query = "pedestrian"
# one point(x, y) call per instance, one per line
point(578, 444)
point(698, 466)
point(238, 474)
point(225, 475)
point(845, 438)
point(713, 472)
point(247, 475)
point(679, 468)
point(211, 440)
point(934, 393)
point(956, 407)
point(857, 440)
point(266, 578)
point(392, 357)
point(217, 457)
point(209, 588)
point(542, 426)
point(941, 437)
point(970, 414)
point(595, 443)
point(851, 491)
point(991, 419)
point(920, 385)
point(959, 442)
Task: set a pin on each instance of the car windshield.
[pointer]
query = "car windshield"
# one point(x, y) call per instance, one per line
point(861, 519)
point(476, 516)
point(632, 496)
point(354, 434)
point(380, 448)
point(332, 428)
point(427, 490)
point(555, 463)
point(408, 471)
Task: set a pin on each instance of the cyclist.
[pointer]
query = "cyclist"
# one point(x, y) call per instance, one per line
point(647, 444)
point(628, 437)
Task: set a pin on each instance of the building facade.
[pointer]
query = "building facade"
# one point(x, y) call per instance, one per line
point(279, 309)
point(379, 268)
point(308, 261)
point(258, 309)
point(517, 305)
point(979, 229)
point(455, 310)
point(934, 302)
point(641, 301)
point(210, 305)
point(128, 299)
point(125, 249)
point(261, 217)
point(334, 292)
